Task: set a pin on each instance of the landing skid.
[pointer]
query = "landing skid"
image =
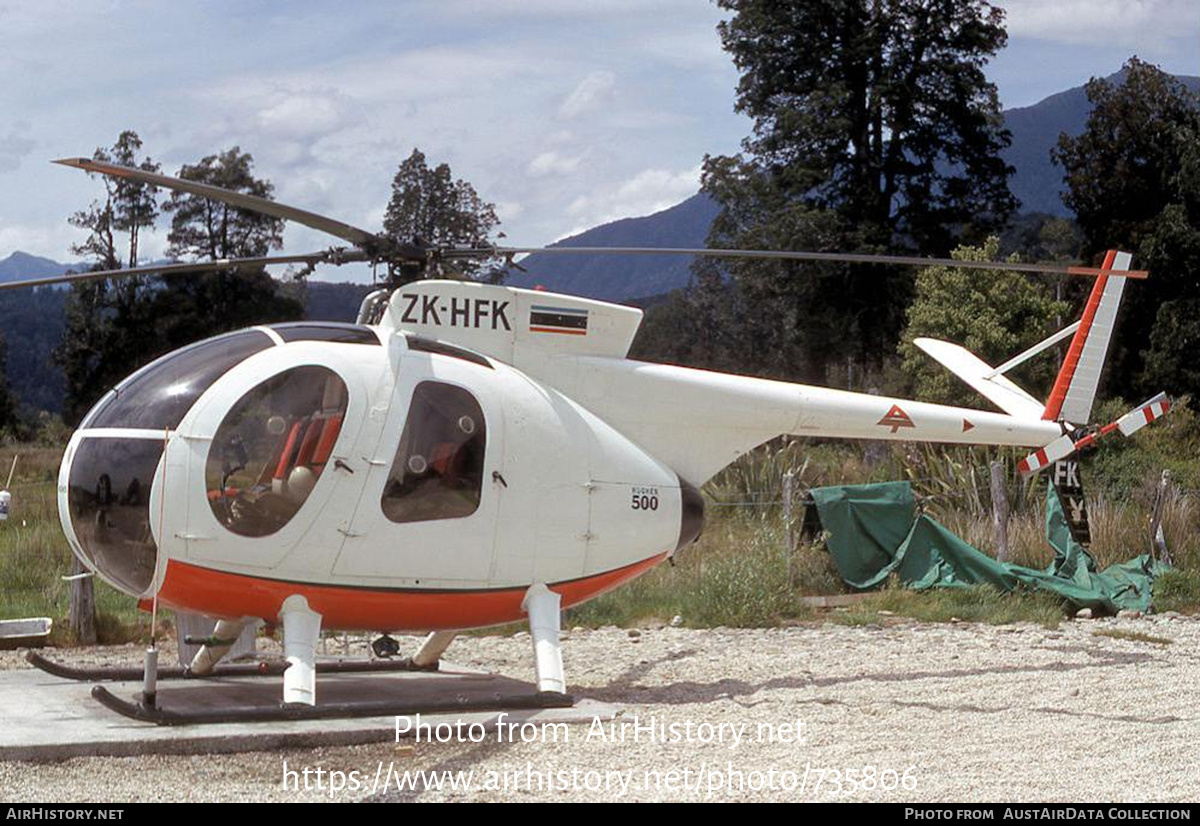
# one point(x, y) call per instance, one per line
point(260, 669)
point(297, 711)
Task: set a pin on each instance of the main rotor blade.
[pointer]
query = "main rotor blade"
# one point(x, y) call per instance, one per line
point(356, 236)
point(793, 255)
point(327, 257)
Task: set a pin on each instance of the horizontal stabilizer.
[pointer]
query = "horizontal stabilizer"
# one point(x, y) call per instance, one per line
point(975, 371)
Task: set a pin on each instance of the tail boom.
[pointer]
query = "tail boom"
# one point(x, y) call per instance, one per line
point(698, 421)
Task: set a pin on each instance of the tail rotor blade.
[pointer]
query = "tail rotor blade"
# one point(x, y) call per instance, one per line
point(1127, 425)
point(1143, 414)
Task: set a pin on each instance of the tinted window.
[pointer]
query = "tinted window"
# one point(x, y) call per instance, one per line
point(437, 472)
point(158, 395)
point(326, 331)
point(425, 345)
point(108, 499)
point(272, 447)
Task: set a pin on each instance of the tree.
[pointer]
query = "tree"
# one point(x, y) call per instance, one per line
point(994, 315)
point(128, 207)
point(114, 327)
point(105, 322)
point(9, 421)
point(430, 206)
point(200, 305)
point(878, 109)
point(874, 129)
point(1133, 179)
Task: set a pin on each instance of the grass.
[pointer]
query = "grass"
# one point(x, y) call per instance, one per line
point(734, 576)
point(980, 603)
point(1132, 636)
point(1177, 590)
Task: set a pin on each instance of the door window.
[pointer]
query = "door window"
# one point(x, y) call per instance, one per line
point(272, 447)
point(437, 472)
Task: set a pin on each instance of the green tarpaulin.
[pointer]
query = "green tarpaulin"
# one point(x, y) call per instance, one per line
point(875, 530)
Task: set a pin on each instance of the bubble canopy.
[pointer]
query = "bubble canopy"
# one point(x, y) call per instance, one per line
point(161, 393)
point(286, 425)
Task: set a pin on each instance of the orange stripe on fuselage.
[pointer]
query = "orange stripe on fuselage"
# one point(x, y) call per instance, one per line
point(1067, 372)
point(221, 594)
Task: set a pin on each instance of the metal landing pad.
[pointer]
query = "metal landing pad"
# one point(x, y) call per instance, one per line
point(49, 718)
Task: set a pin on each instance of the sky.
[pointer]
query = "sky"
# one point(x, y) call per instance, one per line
point(564, 113)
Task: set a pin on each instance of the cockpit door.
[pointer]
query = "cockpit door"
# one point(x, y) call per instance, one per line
point(272, 475)
point(427, 513)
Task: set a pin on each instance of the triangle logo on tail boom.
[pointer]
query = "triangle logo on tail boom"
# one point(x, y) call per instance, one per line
point(896, 418)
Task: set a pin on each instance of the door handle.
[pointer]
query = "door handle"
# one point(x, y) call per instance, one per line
point(340, 465)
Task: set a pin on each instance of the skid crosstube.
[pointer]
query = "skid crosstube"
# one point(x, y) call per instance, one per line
point(382, 708)
point(262, 669)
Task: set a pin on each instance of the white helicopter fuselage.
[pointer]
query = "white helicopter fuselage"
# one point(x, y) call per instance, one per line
point(424, 472)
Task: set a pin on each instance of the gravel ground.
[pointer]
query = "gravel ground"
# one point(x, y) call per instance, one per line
point(957, 712)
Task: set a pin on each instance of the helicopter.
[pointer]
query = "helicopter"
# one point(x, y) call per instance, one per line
point(467, 454)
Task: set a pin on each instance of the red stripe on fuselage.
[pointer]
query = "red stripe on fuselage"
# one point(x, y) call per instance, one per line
point(222, 594)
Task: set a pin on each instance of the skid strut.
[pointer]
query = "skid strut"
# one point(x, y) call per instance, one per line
point(542, 605)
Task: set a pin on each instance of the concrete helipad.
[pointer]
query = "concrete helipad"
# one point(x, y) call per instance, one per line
point(50, 718)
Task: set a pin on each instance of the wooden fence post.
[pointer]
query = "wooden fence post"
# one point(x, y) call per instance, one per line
point(1000, 510)
point(1158, 541)
point(83, 605)
point(788, 543)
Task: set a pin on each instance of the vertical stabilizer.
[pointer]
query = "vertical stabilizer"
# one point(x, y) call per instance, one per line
point(1075, 388)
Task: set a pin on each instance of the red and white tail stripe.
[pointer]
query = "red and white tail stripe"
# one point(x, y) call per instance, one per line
point(1127, 425)
point(1135, 420)
point(1075, 388)
point(1060, 448)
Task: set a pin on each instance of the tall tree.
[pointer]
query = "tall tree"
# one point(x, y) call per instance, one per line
point(874, 129)
point(1133, 180)
point(200, 305)
point(429, 205)
point(115, 327)
point(128, 208)
point(104, 321)
point(878, 109)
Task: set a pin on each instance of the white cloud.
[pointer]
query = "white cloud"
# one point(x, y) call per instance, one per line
point(508, 211)
point(1137, 24)
point(647, 192)
point(552, 163)
point(589, 94)
point(302, 114)
point(15, 146)
point(48, 241)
